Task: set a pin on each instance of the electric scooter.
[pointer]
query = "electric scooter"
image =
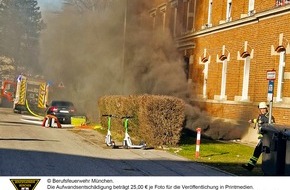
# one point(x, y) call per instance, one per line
point(127, 143)
point(108, 139)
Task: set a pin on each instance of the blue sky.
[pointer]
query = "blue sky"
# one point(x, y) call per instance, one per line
point(49, 5)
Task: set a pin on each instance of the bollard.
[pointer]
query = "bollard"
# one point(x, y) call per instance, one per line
point(49, 121)
point(198, 131)
point(45, 122)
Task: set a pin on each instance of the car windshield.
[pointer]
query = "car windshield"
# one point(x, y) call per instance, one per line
point(62, 103)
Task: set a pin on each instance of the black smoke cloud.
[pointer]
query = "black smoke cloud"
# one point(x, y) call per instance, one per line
point(91, 53)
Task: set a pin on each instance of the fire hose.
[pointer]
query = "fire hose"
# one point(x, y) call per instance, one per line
point(31, 112)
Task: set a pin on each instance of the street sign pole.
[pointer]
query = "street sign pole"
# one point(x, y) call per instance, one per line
point(271, 76)
point(270, 93)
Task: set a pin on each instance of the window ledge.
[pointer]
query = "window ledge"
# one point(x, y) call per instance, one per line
point(239, 99)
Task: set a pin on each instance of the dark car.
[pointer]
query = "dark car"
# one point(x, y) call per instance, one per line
point(63, 110)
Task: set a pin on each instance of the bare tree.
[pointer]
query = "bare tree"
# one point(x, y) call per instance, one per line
point(20, 26)
point(7, 67)
point(90, 5)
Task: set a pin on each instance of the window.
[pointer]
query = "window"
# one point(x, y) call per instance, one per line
point(153, 15)
point(278, 2)
point(223, 59)
point(246, 78)
point(251, 9)
point(280, 75)
point(163, 12)
point(229, 10)
point(245, 56)
point(174, 5)
point(209, 16)
point(190, 15)
point(186, 66)
point(205, 60)
point(281, 50)
point(282, 2)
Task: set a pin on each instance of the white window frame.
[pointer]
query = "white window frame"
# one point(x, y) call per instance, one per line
point(280, 75)
point(209, 14)
point(229, 10)
point(153, 15)
point(174, 4)
point(281, 51)
point(205, 77)
point(246, 78)
point(205, 73)
point(175, 20)
point(245, 56)
point(189, 15)
point(224, 62)
point(282, 2)
point(163, 12)
point(251, 9)
point(224, 79)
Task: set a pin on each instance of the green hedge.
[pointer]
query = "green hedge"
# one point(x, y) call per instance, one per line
point(157, 120)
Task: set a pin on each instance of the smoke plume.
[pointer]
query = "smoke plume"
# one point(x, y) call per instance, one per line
point(96, 53)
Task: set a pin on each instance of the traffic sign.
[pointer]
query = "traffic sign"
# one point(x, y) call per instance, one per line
point(271, 74)
point(61, 85)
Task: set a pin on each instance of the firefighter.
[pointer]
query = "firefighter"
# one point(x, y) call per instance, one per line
point(262, 119)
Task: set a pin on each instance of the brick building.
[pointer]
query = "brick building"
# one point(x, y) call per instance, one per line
point(231, 45)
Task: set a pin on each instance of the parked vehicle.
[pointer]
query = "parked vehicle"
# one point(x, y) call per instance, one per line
point(63, 110)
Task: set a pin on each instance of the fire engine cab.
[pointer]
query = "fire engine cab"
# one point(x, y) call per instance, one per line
point(31, 91)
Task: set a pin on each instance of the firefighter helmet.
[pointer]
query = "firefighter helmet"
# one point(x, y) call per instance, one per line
point(262, 105)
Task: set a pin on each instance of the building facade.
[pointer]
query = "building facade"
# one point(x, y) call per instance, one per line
point(233, 48)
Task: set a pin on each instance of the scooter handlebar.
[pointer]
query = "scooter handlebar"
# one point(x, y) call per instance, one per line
point(129, 116)
point(109, 115)
point(123, 117)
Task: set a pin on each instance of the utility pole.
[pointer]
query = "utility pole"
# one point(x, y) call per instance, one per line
point(124, 46)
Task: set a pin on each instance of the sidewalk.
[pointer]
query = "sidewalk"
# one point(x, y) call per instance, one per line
point(151, 162)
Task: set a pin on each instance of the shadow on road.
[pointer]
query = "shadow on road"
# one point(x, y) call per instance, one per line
point(37, 163)
point(23, 139)
point(11, 122)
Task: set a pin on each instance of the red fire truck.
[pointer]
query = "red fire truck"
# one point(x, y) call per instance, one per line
point(8, 89)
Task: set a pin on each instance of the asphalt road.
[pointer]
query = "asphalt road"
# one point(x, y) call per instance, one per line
point(32, 150)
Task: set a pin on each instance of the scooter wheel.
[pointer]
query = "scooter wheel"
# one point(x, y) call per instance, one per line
point(142, 143)
point(125, 144)
point(108, 144)
point(113, 144)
